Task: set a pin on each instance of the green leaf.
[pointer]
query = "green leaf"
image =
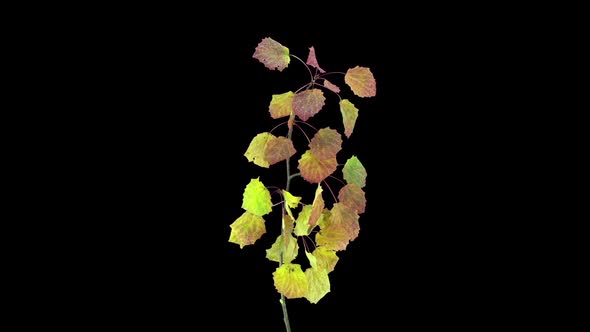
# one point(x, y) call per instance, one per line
point(354, 172)
point(353, 196)
point(291, 281)
point(317, 207)
point(247, 229)
point(361, 81)
point(312, 61)
point(281, 105)
point(347, 218)
point(256, 198)
point(315, 170)
point(349, 115)
point(292, 201)
point(302, 223)
point(325, 259)
point(308, 103)
point(290, 250)
point(326, 143)
point(256, 151)
point(328, 85)
point(319, 284)
point(272, 54)
point(278, 149)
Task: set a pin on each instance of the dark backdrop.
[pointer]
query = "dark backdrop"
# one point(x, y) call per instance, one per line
point(183, 102)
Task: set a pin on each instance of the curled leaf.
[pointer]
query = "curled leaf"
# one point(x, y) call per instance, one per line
point(349, 115)
point(328, 85)
point(312, 61)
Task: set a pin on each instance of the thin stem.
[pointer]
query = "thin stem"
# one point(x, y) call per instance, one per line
point(303, 131)
point(305, 64)
point(314, 128)
point(294, 176)
point(327, 185)
point(289, 177)
point(332, 72)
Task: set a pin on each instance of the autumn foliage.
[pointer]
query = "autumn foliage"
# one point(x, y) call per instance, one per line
point(325, 223)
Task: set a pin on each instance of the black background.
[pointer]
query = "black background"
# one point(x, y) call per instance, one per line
point(177, 102)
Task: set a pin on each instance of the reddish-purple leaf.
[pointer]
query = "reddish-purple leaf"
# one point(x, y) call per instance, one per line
point(361, 81)
point(353, 196)
point(272, 54)
point(315, 170)
point(278, 149)
point(312, 61)
point(331, 86)
point(326, 143)
point(349, 115)
point(308, 103)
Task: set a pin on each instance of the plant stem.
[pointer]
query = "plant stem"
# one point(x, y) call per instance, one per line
point(289, 177)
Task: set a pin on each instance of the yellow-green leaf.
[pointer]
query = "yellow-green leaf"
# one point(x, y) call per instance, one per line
point(325, 258)
point(256, 198)
point(349, 115)
point(291, 281)
point(289, 249)
point(272, 54)
point(256, 151)
point(281, 105)
point(247, 229)
point(292, 201)
point(302, 223)
point(361, 81)
point(319, 284)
